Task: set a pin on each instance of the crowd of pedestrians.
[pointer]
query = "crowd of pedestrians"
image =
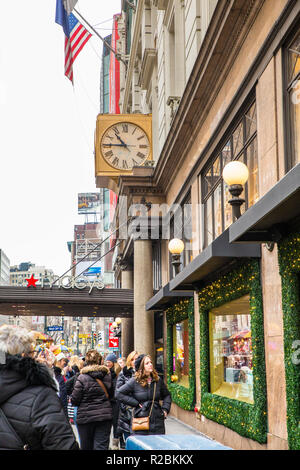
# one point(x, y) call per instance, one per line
point(43, 394)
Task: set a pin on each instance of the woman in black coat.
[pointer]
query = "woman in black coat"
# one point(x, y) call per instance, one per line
point(138, 393)
point(28, 398)
point(94, 414)
point(125, 411)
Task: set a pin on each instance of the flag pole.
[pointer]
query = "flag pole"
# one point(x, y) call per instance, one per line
point(118, 56)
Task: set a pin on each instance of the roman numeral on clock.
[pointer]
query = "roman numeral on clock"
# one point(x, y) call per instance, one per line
point(143, 146)
point(109, 154)
point(125, 127)
point(125, 166)
point(115, 161)
point(140, 155)
point(141, 137)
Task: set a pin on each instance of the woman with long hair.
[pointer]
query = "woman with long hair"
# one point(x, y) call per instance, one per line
point(144, 392)
point(125, 411)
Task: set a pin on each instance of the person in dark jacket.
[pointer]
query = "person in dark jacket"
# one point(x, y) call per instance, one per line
point(59, 364)
point(76, 365)
point(125, 411)
point(28, 397)
point(111, 363)
point(94, 414)
point(138, 392)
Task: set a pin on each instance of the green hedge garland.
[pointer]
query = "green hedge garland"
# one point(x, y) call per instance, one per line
point(246, 419)
point(182, 396)
point(289, 267)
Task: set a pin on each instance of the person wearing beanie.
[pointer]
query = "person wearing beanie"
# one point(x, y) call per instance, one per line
point(111, 363)
point(111, 357)
point(138, 361)
point(145, 388)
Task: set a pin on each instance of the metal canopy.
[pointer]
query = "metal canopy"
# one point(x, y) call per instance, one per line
point(217, 255)
point(65, 302)
point(263, 222)
point(164, 297)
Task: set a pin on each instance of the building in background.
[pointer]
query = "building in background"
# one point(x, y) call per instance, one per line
point(4, 279)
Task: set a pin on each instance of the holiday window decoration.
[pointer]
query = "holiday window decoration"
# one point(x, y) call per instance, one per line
point(289, 268)
point(183, 394)
point(249, 420)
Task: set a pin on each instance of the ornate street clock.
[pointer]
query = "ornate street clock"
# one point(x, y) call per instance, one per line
point(122, 141)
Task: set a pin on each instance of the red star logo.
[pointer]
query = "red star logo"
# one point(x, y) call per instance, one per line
point(31, 281)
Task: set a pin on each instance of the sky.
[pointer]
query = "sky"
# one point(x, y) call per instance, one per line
point(46, 128)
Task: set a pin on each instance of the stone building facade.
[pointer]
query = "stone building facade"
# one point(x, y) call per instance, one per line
point(221, 80)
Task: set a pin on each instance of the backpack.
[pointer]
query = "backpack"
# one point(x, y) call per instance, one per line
point(8, 435)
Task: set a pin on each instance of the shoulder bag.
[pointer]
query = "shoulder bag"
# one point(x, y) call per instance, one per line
point(103, 387)
point(143, 423)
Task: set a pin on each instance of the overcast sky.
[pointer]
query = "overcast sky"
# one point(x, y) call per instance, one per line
point(47, 128)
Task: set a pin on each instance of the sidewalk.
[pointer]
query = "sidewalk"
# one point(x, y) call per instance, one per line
point(173, 426)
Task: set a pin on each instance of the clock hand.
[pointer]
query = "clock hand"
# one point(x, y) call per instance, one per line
point(119, 138)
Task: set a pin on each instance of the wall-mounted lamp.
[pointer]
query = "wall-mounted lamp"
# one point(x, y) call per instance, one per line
point(176, 247)
point(236, 174)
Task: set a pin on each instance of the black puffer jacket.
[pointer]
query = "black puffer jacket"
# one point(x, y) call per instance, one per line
point(90, 398)
point(125, 411)
point(133, 394)
point(29, 400)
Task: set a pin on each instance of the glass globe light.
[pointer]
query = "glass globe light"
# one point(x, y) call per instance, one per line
point(118, 321)
point(176, 246)
point(235, 173)
point(114, 325)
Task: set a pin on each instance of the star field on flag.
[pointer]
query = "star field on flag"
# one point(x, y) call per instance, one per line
point(76, 36)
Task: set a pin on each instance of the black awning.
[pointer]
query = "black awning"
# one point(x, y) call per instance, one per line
point(264, 221)
point(217, 255)
point(164, 297)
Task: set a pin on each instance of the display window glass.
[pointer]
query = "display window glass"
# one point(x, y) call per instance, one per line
point(231, 367)
point(181, 353)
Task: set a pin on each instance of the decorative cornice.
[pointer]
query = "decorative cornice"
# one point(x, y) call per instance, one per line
point(217, 53)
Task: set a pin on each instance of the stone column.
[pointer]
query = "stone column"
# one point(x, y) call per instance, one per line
point(127, 323)
point(143, 291)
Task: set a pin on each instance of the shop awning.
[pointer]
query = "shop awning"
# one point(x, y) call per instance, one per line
point(264, 222)
point(217, 255)
point(164, 297)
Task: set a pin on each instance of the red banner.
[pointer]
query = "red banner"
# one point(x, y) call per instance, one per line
point(112, 342)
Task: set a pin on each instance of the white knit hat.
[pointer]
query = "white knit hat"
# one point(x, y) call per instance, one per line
point(60, 356)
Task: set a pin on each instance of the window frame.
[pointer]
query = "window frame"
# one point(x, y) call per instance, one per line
point(288, 127)
point(218, 153)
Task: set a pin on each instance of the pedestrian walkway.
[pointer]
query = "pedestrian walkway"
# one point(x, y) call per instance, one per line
point(173, 426)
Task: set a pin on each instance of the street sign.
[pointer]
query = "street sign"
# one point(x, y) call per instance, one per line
point(55, 328)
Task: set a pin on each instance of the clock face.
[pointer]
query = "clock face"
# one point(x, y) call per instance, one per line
point(125, 145)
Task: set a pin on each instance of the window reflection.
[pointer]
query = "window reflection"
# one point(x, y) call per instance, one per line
point(218, 210)
point(294, 99)
point(231, 350)
point(242, 146)
point(181, 353)
point(238, 139)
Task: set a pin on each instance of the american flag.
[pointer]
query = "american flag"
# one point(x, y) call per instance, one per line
point(76, 36)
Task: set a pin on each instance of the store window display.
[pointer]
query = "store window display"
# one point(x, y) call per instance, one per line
point(181, 353)
point(231, 368)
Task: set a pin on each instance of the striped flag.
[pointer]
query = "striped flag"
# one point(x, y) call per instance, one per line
point(76, 36)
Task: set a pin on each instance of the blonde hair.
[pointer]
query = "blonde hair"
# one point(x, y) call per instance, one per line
point(16, 340)
point(130, 357)
point(76, 361)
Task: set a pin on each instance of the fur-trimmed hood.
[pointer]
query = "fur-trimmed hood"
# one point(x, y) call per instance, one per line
point(19, 373)
point(90, 369)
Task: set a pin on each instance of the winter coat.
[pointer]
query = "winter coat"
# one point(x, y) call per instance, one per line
point(70, 384)
point(74, 370)
point(62, 388)
point(133, 394)
point(125, 411)
point(28, 398)
point(93, 406)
